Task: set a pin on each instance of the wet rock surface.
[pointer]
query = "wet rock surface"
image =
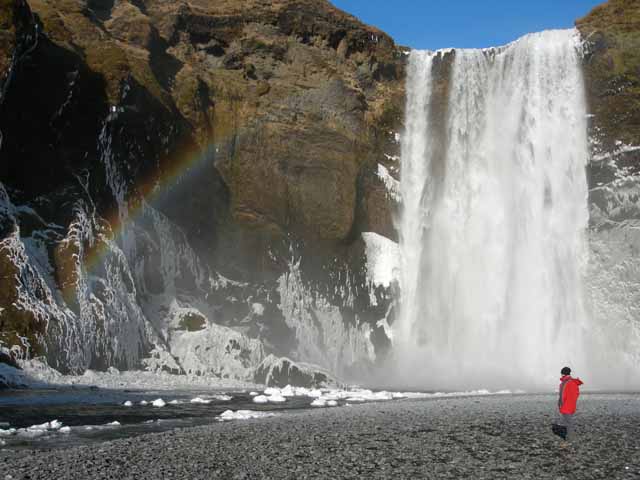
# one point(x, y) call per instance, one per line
point(471, 437)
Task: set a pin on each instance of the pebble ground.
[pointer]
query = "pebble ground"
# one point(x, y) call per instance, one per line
point(473, 437)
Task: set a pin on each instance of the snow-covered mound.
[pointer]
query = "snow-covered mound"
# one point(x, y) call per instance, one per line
point(271, 398)
point(210, 398)
point(200, 400)
point(54, 426)
point(242, 415)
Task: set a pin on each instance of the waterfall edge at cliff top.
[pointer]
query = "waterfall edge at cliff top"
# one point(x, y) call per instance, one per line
point(493, 230)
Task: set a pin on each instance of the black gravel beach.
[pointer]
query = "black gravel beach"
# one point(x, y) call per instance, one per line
point(505, 436)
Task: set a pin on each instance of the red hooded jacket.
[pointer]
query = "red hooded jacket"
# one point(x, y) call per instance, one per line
point(569, 394)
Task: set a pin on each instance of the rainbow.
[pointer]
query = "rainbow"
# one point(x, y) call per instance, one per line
point(187, 160)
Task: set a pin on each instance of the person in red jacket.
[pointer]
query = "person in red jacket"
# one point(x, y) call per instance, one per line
point(567, 399)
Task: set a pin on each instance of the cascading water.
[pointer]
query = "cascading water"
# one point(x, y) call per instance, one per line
point(493, 228)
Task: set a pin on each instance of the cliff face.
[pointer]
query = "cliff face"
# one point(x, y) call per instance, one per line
point(611, 33)
point(185, 184)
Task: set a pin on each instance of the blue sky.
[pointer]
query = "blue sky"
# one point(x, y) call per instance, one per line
point(433, 24)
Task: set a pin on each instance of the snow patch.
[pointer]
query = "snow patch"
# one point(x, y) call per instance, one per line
point(323, 402)
point(271, 395)
point(276, 398)
point(210, 398)
point(47, 428)
point(242, 415)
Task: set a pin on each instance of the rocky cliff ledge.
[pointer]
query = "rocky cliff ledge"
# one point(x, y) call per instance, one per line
point(185, 184)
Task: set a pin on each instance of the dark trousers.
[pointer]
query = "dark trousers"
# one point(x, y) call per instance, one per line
point(566, 420)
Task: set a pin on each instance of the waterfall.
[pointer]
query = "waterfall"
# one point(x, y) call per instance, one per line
point(494, 219)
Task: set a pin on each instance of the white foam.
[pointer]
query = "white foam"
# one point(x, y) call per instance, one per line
point(158, 402)
point(128, 403)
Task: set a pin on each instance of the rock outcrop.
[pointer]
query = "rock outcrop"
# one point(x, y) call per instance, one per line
point(184, 184)
point(280, 372)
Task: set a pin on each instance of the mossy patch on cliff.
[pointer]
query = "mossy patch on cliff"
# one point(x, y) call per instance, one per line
point(15, 24)
point(7, 9)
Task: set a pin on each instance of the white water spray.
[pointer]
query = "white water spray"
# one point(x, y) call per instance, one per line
point(493, 228)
